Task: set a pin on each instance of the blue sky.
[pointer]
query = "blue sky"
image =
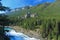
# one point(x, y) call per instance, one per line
point(21, 3)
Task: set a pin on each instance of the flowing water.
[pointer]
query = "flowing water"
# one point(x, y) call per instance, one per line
point(13, 35)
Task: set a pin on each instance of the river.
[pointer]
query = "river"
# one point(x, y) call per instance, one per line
point(13, 35)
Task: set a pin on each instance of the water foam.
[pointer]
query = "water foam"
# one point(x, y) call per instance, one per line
point(18, 36)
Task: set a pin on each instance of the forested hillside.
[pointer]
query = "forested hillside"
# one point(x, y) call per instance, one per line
point(46, 18)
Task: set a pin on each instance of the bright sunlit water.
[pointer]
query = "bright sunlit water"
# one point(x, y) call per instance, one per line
point(18, 36)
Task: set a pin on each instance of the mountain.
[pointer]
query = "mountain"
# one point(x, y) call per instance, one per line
point(48, 20)
point(45, 9)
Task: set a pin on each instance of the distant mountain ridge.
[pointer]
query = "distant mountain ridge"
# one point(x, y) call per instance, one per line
point(46, 9)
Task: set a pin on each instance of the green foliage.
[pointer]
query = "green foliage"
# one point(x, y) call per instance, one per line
point(47, 20)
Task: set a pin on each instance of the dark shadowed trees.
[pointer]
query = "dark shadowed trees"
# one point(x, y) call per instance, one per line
point(3, 20)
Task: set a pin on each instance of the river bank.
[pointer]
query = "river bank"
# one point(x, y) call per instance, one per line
point(30, 33)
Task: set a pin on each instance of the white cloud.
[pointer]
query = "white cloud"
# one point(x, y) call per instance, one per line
point(2, 12)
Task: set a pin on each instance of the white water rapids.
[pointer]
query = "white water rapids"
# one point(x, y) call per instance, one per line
point(13, 35)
